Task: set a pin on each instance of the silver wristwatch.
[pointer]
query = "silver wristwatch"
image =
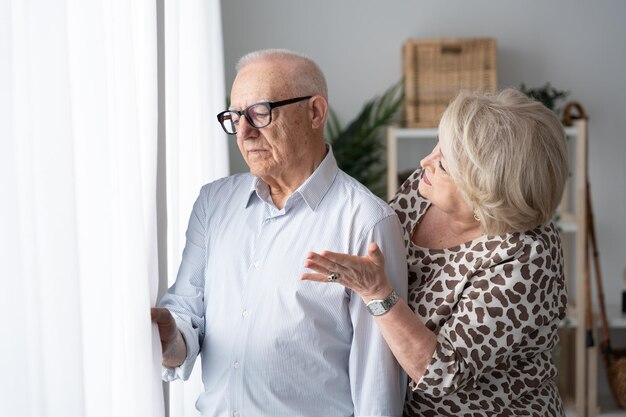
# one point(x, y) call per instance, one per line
point(380, 307)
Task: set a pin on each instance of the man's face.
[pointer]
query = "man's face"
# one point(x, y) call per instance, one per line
point(283, 148)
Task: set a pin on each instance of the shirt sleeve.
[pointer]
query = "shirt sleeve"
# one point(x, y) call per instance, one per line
point(510, 308)
point(378, 383)
point(185, 299)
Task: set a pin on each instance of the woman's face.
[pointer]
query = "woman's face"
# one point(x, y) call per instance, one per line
point(437, 186)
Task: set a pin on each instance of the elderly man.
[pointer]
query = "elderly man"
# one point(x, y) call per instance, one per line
point(272, 344)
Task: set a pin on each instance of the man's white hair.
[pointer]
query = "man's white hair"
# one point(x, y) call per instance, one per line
point(307, 76)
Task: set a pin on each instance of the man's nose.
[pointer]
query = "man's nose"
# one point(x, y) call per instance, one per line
point(245, 128)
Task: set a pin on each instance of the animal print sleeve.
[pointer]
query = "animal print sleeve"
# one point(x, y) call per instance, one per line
point(506, 316)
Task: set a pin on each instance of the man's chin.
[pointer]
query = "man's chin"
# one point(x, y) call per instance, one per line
point(259, 171)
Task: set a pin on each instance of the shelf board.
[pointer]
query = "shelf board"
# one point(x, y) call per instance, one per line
point(617, 320)
point(416, 133)
point(567, 223)
point(603, 413)
point(570, 131)
point(571, 319)
point(433, 132)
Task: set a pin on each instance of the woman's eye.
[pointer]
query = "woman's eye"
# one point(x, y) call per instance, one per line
point(441, 166)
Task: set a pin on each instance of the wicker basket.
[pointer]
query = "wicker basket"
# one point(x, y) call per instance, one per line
point(615, 363)
point(436, 70)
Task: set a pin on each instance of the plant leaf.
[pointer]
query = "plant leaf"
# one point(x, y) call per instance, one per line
point(359, 146)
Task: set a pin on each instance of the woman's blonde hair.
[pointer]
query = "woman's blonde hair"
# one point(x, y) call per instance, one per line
point(507, 154)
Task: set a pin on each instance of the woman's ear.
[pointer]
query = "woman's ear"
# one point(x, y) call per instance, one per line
point(318, 108)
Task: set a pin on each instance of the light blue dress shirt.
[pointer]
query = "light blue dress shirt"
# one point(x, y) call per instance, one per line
point(271, 344)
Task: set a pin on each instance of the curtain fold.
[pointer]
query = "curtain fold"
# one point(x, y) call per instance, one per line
point(196, 147)
point(78, 97)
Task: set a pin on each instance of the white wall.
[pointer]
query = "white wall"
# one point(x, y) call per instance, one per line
point(576, 45)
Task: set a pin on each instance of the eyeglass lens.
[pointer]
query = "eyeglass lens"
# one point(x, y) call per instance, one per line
point(258, 115)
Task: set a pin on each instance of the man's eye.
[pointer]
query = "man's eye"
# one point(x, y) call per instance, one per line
point(259, 113)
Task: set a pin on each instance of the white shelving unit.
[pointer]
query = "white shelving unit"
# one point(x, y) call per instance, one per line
point(573, 226)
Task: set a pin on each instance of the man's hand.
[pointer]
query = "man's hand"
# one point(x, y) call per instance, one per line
point(172, 342)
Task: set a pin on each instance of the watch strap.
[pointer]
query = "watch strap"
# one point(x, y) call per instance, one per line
point(380, 307)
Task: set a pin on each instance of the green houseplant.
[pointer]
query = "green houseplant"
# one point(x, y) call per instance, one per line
point(359, 147)
point(547, 95)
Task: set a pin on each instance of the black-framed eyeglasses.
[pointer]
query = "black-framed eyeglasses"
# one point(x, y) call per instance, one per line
point(258, 114)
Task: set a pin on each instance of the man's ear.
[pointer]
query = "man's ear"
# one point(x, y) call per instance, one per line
point(318, 108)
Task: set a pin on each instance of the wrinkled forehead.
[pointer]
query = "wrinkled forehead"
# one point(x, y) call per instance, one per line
point(261, 81)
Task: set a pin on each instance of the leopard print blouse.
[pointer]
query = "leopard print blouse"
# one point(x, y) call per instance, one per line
point(495, 304)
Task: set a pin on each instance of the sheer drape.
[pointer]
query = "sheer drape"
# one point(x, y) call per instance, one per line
point(196, 145)
point(78, 129)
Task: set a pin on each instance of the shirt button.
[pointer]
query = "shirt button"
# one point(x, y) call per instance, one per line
point(236, 365)
point(245, 313)
point(257, 264)
point(236, 414)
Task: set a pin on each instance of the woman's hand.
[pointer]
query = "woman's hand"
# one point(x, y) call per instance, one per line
point(411, 342)
point(363, 274)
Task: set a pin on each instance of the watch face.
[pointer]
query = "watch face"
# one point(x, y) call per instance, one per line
point(377, 308)
point(380, 307)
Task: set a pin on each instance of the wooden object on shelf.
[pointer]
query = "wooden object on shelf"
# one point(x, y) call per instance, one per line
point(435, 70)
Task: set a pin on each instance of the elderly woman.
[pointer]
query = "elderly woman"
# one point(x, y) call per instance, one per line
point(486, 285)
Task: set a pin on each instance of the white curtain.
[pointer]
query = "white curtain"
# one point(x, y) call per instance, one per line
point(196, 147)
point(78, 151)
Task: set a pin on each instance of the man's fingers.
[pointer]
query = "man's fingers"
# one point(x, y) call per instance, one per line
point(160, 315)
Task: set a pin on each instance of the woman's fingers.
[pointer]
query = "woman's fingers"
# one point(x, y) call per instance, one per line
point(314, 262)
point(314, 277)
point(375, 255)
point(318, 263)
point(323, 268)
point(339, 259)
point(363, 274)
point(360, 273)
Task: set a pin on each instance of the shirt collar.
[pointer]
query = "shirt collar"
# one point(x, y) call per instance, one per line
point(312, 190)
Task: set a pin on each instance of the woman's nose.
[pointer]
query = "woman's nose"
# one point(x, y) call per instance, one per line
point(429, 159)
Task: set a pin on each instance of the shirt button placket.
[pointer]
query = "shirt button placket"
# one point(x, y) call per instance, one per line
point(245, 313)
